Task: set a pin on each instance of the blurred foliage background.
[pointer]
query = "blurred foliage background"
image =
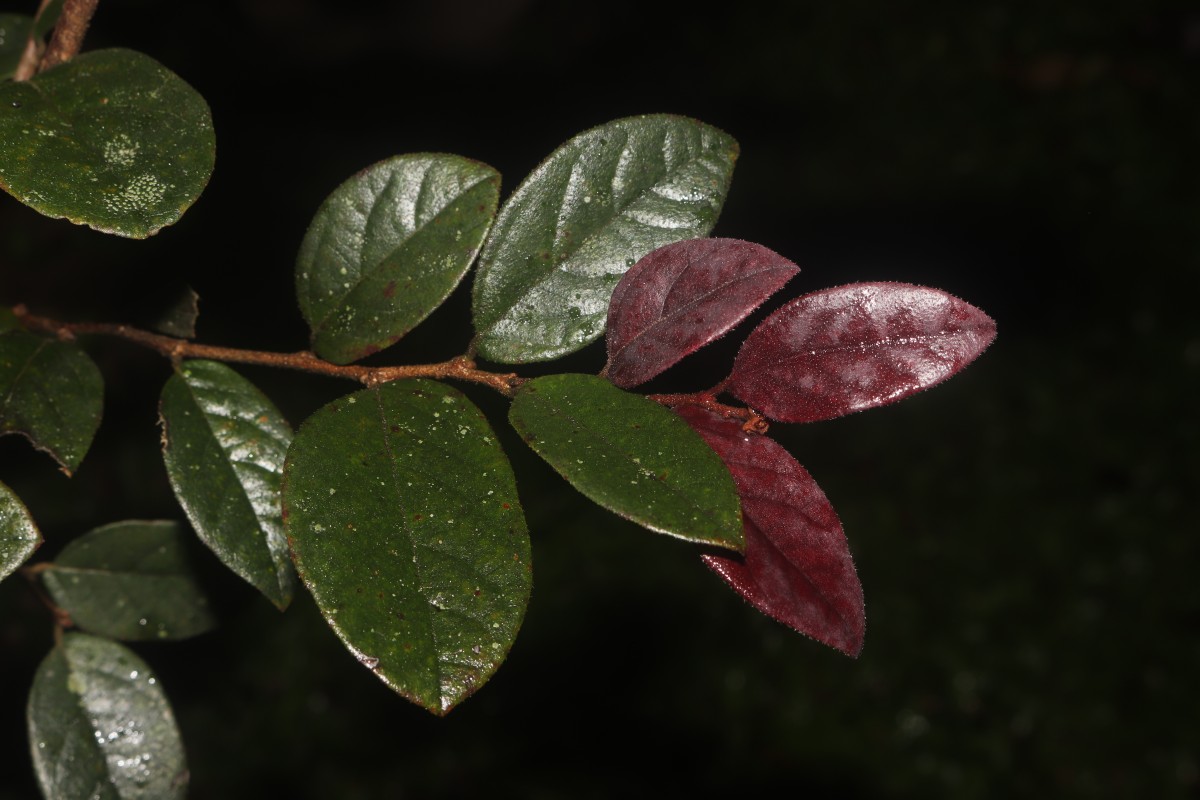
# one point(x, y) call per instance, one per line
point(1021, 534)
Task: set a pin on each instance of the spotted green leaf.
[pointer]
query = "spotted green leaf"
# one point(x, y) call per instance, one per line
point(224, 444)
point(388, 246)
point(569, 232)
point(130, 580)
point(111, 139)
point(50, 392)
point(403, 516)
point(101, 727)
point(19, 537)
point(630, 455)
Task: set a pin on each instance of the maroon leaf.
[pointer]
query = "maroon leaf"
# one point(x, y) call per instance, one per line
point(853, 347)
point(797, 567)
point(681, 297)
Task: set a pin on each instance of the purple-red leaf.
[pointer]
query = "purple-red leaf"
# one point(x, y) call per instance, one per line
point(797, 567)
point(853, 347)
point(681, 297)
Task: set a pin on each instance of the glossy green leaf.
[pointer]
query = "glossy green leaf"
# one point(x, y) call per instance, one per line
point(100, 726)
point(630, 455)
point(14, 32)
point(402, 513)
point(19, 537)
point(52, 393)
point(224, 444)
point(570, 231)
point(388, 246)
point(111, 139)
point(130, 580)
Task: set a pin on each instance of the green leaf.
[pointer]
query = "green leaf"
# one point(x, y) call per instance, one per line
point(47, 19)
point(52, 393)
point(580, 220)
point(179, 319)
point(14, 32)
point(101, 727)
point(131, 581)
point(630, 455)
point(388, 246)
point(8, 320)
point(19, 537)
point(224, 444)
point(111, 139)
point(402, 513)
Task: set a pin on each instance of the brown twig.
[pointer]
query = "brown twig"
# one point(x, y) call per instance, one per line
point(69, 31)
point(752, 421)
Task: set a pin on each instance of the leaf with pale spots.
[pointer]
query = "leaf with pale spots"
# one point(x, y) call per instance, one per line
point(132, 581)
point(19, 537)
point(855, 347)
point(111, 139)
point(631, 456)
point(388, 246)
point(224, 444)
point(599, 203)
point(51, 393)
point(100, 725)
point(403, 516)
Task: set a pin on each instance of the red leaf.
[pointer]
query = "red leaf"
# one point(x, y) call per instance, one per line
point(681, 297)
point(854, 347)
point(797, 567)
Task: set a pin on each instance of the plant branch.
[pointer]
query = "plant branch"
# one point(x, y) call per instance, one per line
point(752, 421)
point(69, 31)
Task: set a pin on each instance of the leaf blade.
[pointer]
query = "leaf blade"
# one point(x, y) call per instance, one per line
point(855, 347)
point(224, 445)
point(644, 463)
point(682, 296)
point(388, 246)
point(100, 726)
point(797, 567)
point(593, 208)
point(131, 581)
point(19, 536)
point(408, 478)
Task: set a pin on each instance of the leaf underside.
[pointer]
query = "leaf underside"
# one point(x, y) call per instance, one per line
point(130, 581)
point(19, 536)
point(101, 727)
point(111, 139)
point(683, 296)
point(388, 246)
point(631, 456)
point(52, 393)
point(403, 517)
point(797, 567)
point(855, 347)
point(579, 221)
point(224, 444)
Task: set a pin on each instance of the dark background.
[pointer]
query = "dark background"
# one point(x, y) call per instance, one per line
point(1021, 531)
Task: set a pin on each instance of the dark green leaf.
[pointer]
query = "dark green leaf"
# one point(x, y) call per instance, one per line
point(14, 32)
point(580, 220)
point(8, 320)
point(111, 139)
point(19, 537)
point(630, 455)
point(388, 246)
point(179, 319)
point(47, 18)
point(131, 581)
point(224, 444)
point(52, 393)
point(402, 513)
point(100, 726)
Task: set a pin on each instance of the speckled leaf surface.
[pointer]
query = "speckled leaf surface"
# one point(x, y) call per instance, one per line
point(631, 456)
point(130, 580)
point(224, 444)
point(403, 516)
point(797, 567)
point(19, 536)
point(100, 727)
point(50, 392)
point(855, 347)
point(388, 246)
point(14, 31)
point(111, 139)
point(580, 220)
point(683, 296)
